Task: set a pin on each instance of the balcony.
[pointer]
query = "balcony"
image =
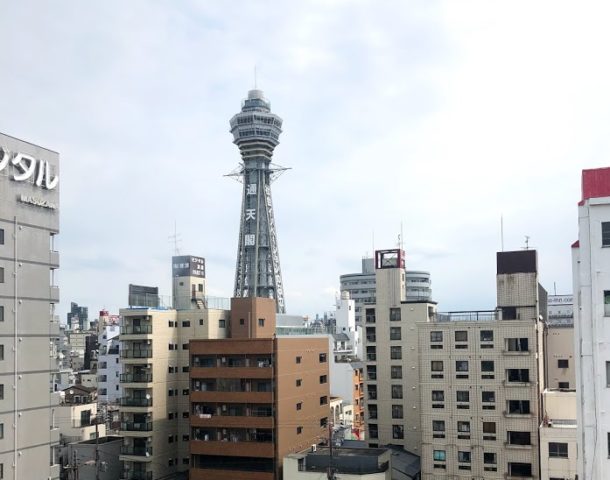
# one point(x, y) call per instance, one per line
point(231, 397)
point(136, 378)
point(232, 372)
point(53, 294)
point(136, 402)
point(136, 330)
point(231, 421)
point(54, 258)
point(136, 451)
point(232, 449)
point(137, 426)
point(143, 353)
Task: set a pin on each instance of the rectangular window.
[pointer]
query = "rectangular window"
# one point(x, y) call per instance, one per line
point(185, 369)
point(487, 369)
point(518, 375)
point(323, 400)
point(242, 321)
point(1, 391)
point(186, 323)
point(394, 314)
point(558, 450)
point(519, 407)
point(462, 396)
point(373, 431)
point(395, 353)
point(1, 313)
point(299, 405)
point(438, 428)
point(1, 430)
point(461, 336)
point(487, 335)
point(323, 378)
point(489, 430)
point(298, 359)
point(397, 411)
point(222, 323)
point(517, 344)
point(605, 234)
point(1, 274)
point(606, 298)
point(563, 363)
point(395, 371)
point(398, 432)
point(1, 352)
point(185, 346)
point(436, 336)
point(396, 391)
point(395, 333)
point(322, 357)
point(261, 322)
point(1, 236)
point(461, 368)
point(438, 396)
point(201, 321)
point(324, 421)
point(490, 458)
point(463, 457)
point(516, 469)
point(369, 315)
point(463, 429)
point(299, 430)
point(563, 385)
point(518, 438)
point(436, 366)
point(488, 396)
point(299, 382)
point(372, 411)
point(439, 455)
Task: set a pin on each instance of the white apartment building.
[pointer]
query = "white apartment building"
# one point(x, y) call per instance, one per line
point(109, 365)
point(591, 277)
point(154, 352)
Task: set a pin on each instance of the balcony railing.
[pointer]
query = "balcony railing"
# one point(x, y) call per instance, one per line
point(147, 353)
point(136, 402)
point(136, 329)
point(136, 377)
point(137, 451)
point(137, 426)
point(137, 476)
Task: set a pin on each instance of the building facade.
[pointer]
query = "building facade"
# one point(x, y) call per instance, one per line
point(591, 279)
point(255, 397)
point(362, 286)
point(29, 221)
point(256, 131)
point(482, 379)
point(78, 317)
point(109, 366)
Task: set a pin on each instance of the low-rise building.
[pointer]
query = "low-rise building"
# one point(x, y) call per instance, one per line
point(558, 436)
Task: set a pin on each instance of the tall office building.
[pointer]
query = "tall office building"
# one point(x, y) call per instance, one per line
point(256, 132)
point(591, 277)
point(78, 317)
point(154, 350)
point(362, 286)
point(255, 396)
point(481, 381)
point(29, 221)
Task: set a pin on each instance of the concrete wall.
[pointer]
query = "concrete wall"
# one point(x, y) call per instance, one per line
point(560, 346)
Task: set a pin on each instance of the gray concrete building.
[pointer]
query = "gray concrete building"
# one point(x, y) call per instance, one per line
point(29, 221)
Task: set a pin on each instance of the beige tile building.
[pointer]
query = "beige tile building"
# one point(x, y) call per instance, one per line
point(155, 377)
point(482, 377)
point(560, 362)
point(392, 390)
point(558, 436)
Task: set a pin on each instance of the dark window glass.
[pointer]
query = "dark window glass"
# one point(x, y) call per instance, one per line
point(605, 234)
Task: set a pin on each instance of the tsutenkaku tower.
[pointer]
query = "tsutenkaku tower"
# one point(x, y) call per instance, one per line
point(256, 132)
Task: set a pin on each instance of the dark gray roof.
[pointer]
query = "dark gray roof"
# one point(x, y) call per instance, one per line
point(340, 337)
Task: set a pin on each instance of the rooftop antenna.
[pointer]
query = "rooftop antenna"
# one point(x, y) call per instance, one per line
point(502, 232)
point(255, 79)
point(176, 239)
point(527, 243)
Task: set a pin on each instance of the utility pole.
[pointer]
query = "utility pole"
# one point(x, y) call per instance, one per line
point(330, 474)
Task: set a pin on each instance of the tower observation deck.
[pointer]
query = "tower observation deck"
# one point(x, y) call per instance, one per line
point(256, 132)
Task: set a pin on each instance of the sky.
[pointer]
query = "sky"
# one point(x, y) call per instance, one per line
point(434, 118)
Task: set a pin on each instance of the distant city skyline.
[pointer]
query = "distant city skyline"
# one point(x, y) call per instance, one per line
point(441, 116)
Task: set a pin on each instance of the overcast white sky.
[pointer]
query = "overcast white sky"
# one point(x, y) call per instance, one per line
point(439, 115)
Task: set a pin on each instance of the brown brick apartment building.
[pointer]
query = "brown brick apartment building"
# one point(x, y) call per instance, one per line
point(255, 397)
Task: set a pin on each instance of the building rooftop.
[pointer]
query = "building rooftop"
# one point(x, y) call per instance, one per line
point(595, 183)
point(361, 461)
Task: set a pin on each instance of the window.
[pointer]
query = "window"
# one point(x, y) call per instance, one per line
point(1, 236)
point(298, 359)
point(186, 323)
point(558, 450)
point(461, 336)
point(373, 430)
point(463, 457)
point(518, 438)
point(1, 274)
point(606, 298)
point(372, 411)
point(489, 430)
point(324, 421)
point(490, 460)
point(461, 367)
point(436, 366)
point(463, 429)
point(185, 414)
point(369, 315)
point(299, 382)
point(1, 352)
point(222, 323)
point(509, 313)
point(300, 405)
point(463, 396)
point(518, 375)
point(185, 461)
point(394, 314)
point(397, 411)
point(398, 432)
point(563, 363)
point(185, 369)
point(519, 407)
point(323, 378)
point(517, 344)
point(395, 333)
point(242, 321)
point(261, 322)
point(1, 313)
point(395, 371)
point(516, 469)
point(395, 353)
point(322, 357)
point(439, 455)
point(563, 385)
point(487, 335)
point(201, 321)
point(323, 400)
point(605, 234)
point(438, 396)
point(488, 396)
point(436, 336)
point(185, 346)
point(438, 429)
point(299, 430)
point(396, 391)
point(184, 391)
point(487, 369)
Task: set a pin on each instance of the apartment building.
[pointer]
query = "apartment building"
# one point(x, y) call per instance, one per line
point(109, 365)
point(154, 354)
point(255, 397)
point(591, 279)
point(29, 221)
point(482, 378)
point(392, 393)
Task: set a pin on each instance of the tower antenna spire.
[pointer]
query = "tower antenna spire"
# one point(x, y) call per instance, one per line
point(175, 239)
point(255, 78)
